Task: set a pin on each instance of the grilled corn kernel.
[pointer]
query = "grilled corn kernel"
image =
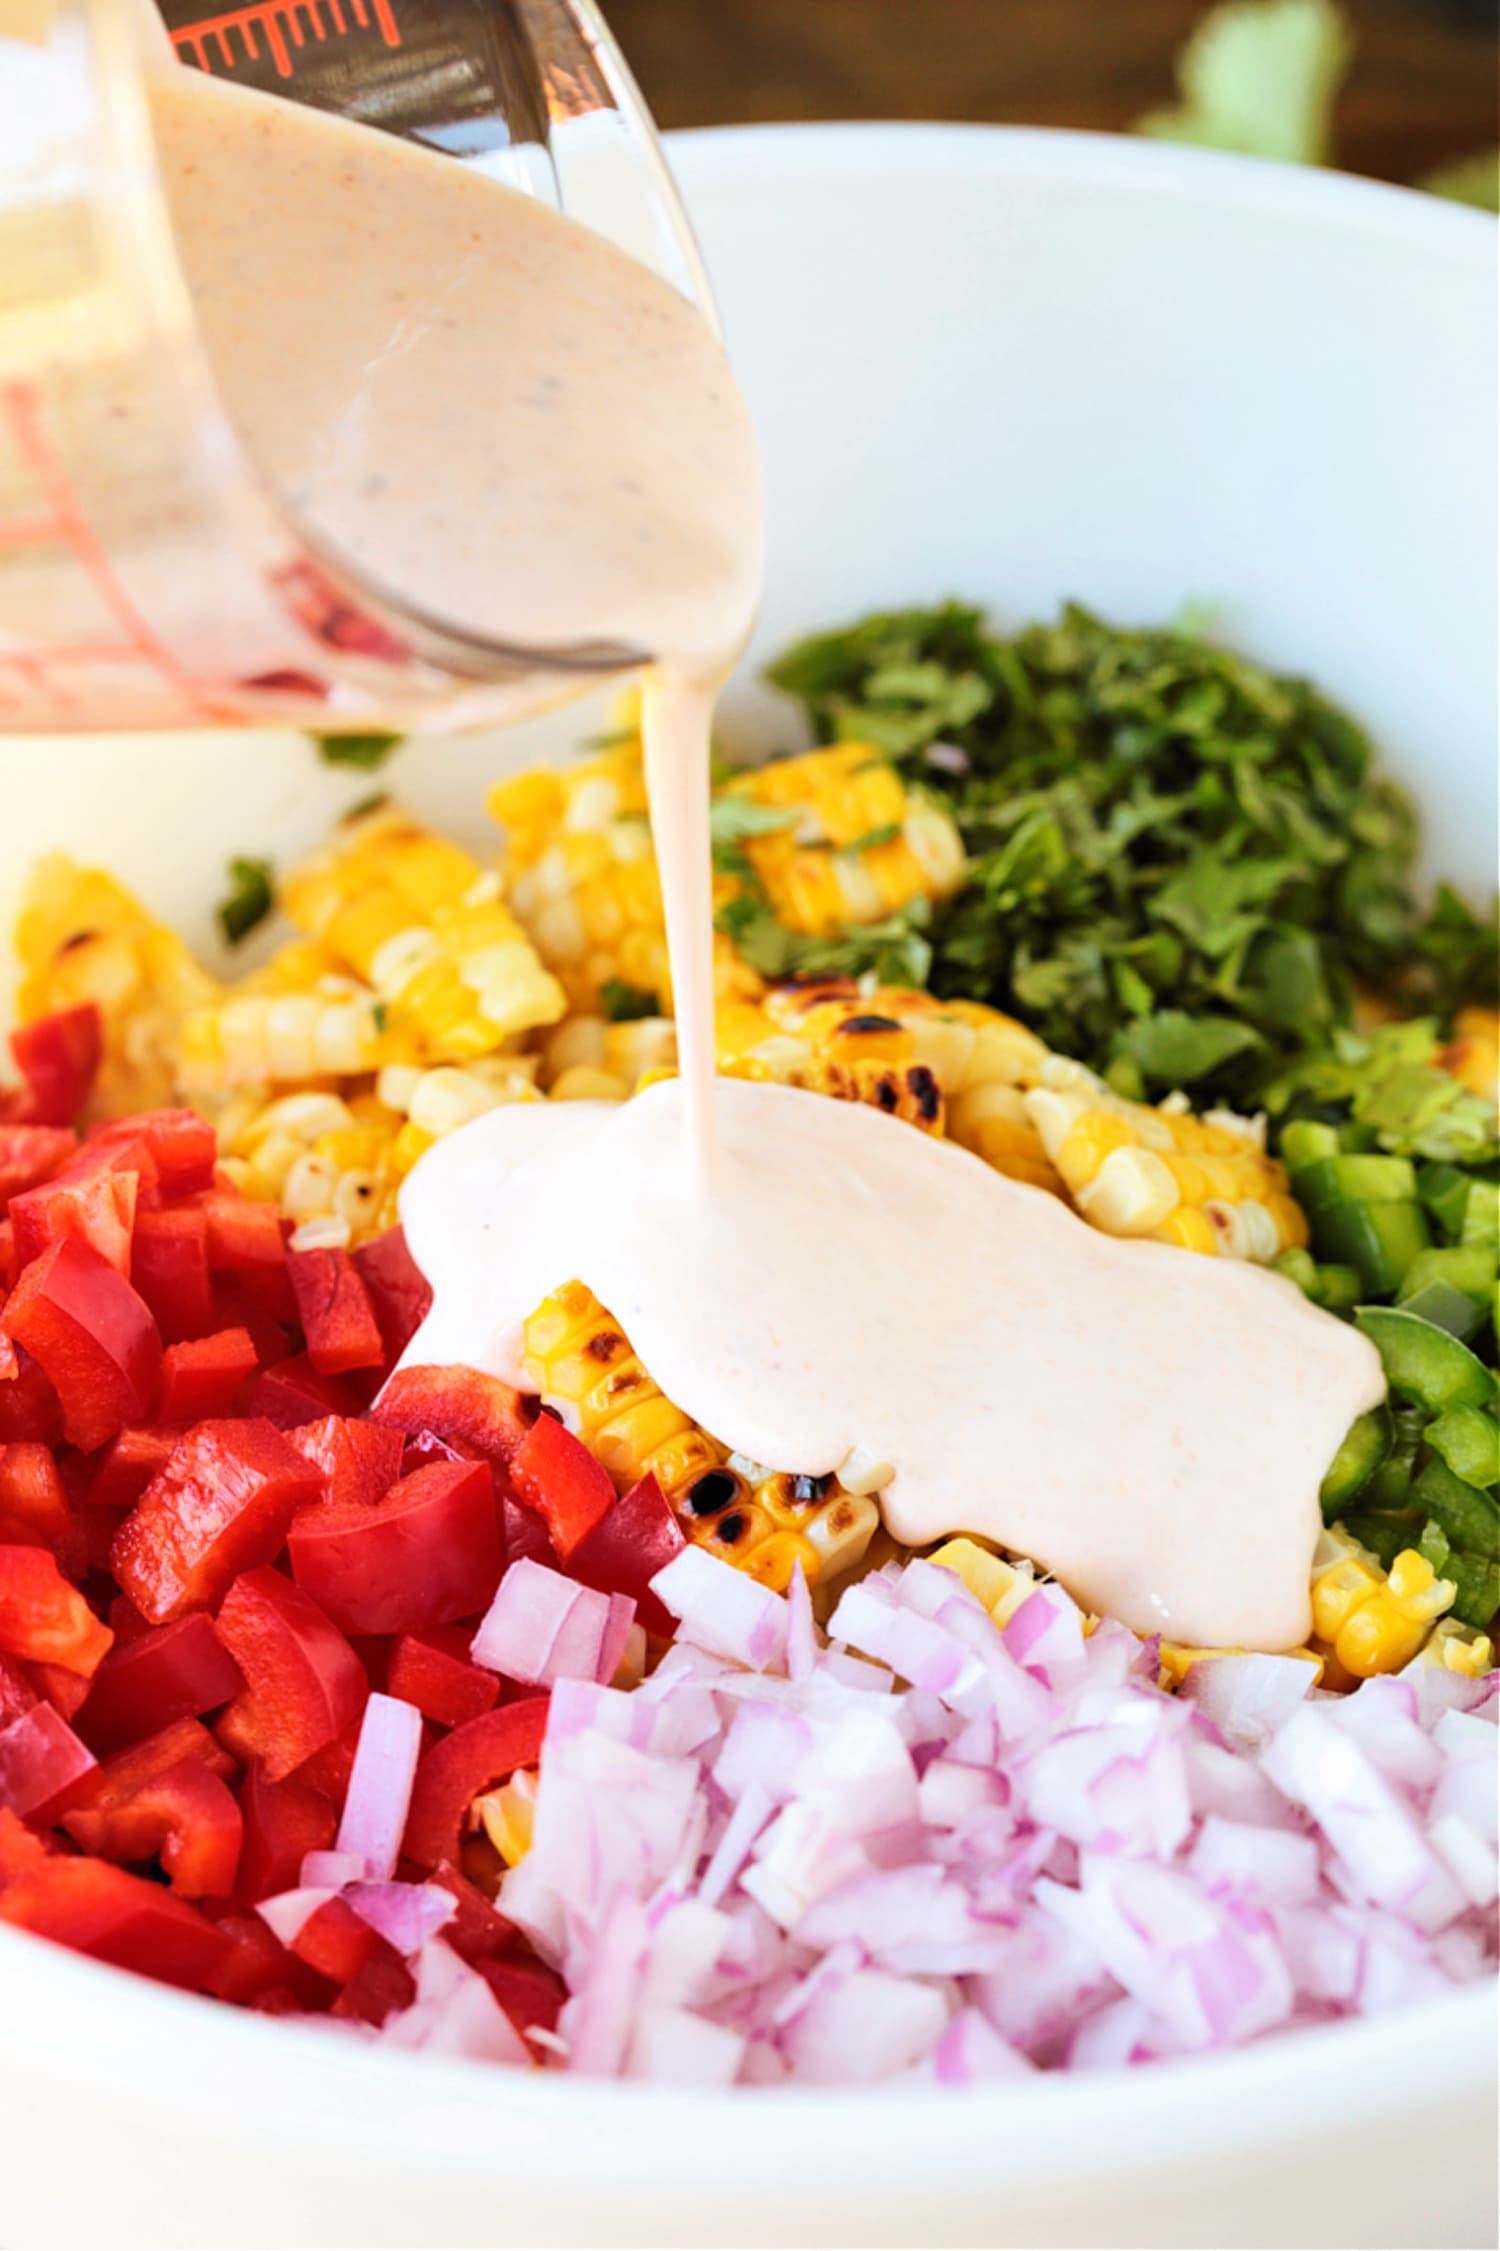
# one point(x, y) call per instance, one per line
point(1372, 1621)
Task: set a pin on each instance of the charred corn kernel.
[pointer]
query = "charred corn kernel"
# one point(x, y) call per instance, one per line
point(80, 937)
point(1372, 1621)
point(1202, 1184)
point(1002, 1587)
point(856, 845)
point(583, 1365)
point(430, 933)
point(1472, 1056)
point(1458, 1648)
point(507, 1815)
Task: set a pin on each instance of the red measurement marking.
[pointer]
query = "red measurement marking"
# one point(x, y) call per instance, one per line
point(66, 525)
point(282, 23)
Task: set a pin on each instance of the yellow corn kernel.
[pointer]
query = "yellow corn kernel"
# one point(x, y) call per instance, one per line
point(1472, 1056)
point(1002, 1587)
point(508, 1815)
point(1188, 1231)
point(1089, 1140)
point(1459, 1649)
point(1373, 1622)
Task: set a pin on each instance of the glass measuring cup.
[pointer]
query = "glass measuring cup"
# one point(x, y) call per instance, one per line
point(150, 575)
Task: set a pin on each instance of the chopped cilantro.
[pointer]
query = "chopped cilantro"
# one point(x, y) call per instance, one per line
point(732, 819)
point(872, 839)
point(249, 899)
point(367, 753)
point(1388, 1082)
point(627, 1004)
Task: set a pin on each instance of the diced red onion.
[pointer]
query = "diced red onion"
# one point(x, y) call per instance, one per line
point(379, 1795)
point(406, 1915)
point(543, 1628)
point(327, 1871)
point(722, 1610)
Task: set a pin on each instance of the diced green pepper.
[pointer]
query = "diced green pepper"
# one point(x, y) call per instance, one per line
point(1340, 1288)
point(1446, 1308)
point(1423, 1362)
point(1469, 1267)
point(1389, 1490)
point(1366, 1445)
point(1468, 1440)
point(1301, 1267)
point(1305, 1141)
point(1481, 1221)
point(1444, 1189)
point(1380, 1239)
point(1347, 1179)
point(1468, 1518)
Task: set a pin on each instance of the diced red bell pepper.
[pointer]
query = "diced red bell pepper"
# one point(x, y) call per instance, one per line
point(432, 1671)
point(359, 1461)
point(307, 1683)
point(166, 1673)
point(169, 1266)
point(459, 1766)
point(293, 1393)
point(203, 1376)
point(329, 1770)
point(234, 1309)
point(221, 1506)
point(554, 1473)
point(429, 1552)
point(458, 1404)
point(43, 1766)
point(7, 1278)
point(183, 1146)
point(125, 1621)
point(334, 1307)
point(399, 1291)
point(257, 1964)
point(94, 1199)
point(92, 1334)
point(631, 1542)
point(335, 1941)
point(283, 1821)
point(30, 1154)
point(66, 1692)
point(245, 1239)
point(530, 1994)
point(478, 1930)
point(186, 1816)
point(43, 1616)
point(29, 1406)
point(105, 1912)
point(18, 1691)
point(22, 1851)
point(522, 1534)
point(139, 1763)
point(58, 1057)
point(34, 1501)
point(381, 1985)
point(129, 1462)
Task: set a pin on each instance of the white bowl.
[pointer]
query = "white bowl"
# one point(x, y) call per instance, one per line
point(1017, 366)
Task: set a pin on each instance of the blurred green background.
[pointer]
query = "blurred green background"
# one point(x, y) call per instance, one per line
point(1416, 79)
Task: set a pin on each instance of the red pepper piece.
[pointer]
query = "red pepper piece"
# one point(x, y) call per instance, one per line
point(22, 1851)
point(58, 1057)
point(245, 1239)
point(131, 1769)
point(129, 1462)
point(458, 1404)
point(294, 1393)
point(555, 1474)
point(115, 1917)
point(221, 1506)
point(33, 1500)
point(399, 1290)
point(307, 1683)
point(166, 1673)
point(169, 1267)
point(531, 1996)
point(452, 1774)
point(203, 1376)
point(334, 1307)
point(125, 1621)
point(381, 1985)
point(522, 1533)
point(182, 1145)
point(478, 1930)
point(43, 1766)
point(94, 1199)
point(66, 1692)
point(283, 1820)
point(186, 1816)
point(30, 1154)
point(29, 1406)
point(93, 1335)
point(359, 1461)
point(328, 1770)
point(257, 1964)
point(18, 1691)
point(631, 1542)
point(432, 1671)
point(428, 1553)
point(336, 1942)
point(7, 1279)
point(43, 1616)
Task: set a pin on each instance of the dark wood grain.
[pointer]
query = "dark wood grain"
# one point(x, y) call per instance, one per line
point(1422, 89)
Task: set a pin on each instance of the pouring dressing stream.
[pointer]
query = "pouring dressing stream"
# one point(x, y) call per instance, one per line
point(540, 441)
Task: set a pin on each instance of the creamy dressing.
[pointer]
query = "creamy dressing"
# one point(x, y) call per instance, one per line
point(512, 427)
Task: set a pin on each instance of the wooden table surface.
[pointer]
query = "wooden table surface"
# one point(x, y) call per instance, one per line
point(1422, 89)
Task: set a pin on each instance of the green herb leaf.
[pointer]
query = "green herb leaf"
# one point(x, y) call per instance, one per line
point(248, 900)
point(1387, 1082)
point(1260, 77)
point(872, 839)
point(1171, 1049)
point(366, 753)
point(733, 819)
point(626, 1004)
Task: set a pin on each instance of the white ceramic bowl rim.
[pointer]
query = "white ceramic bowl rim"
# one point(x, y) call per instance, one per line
point(87, 2026)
